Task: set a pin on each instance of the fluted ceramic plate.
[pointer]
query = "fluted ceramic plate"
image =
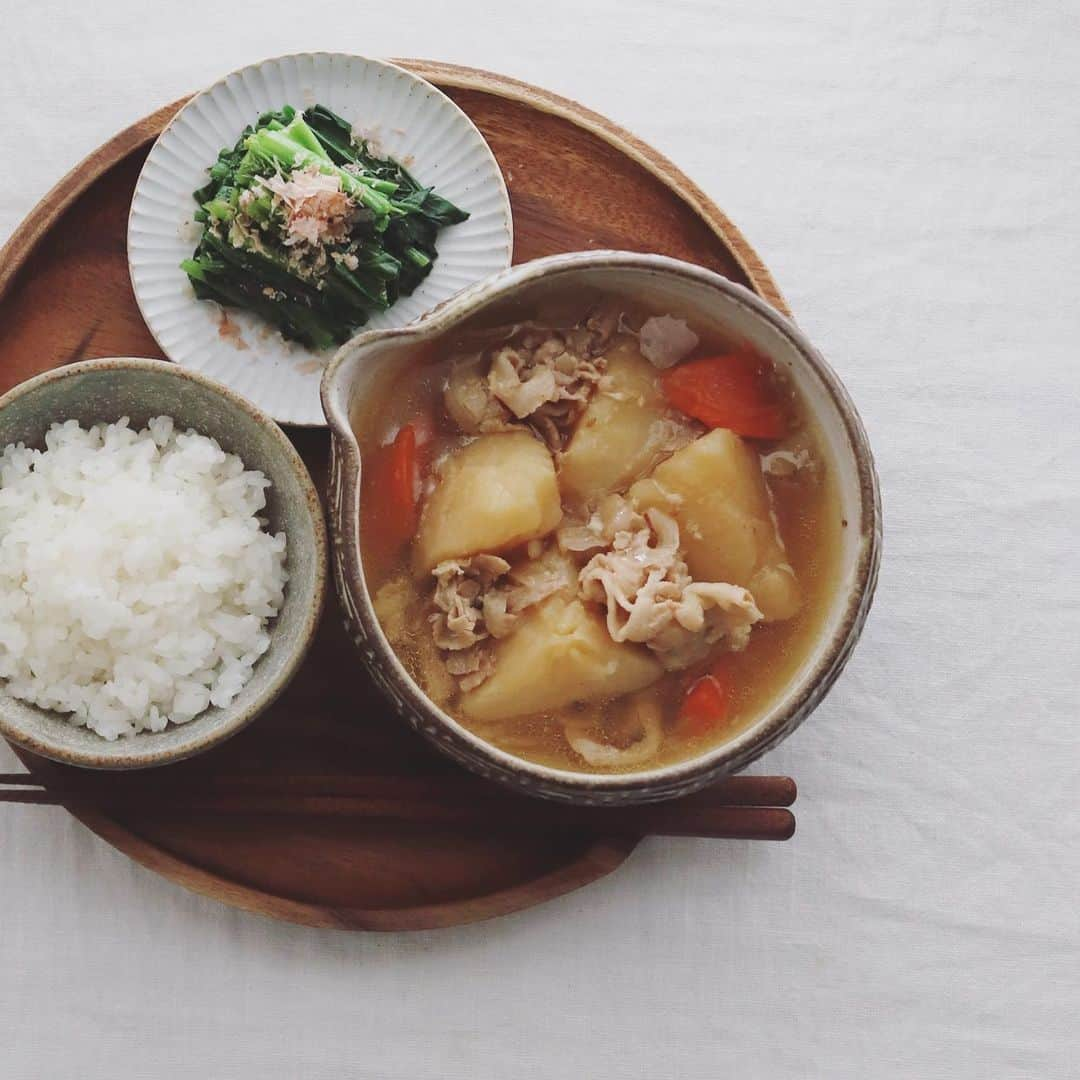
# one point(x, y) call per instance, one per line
point(404, 116)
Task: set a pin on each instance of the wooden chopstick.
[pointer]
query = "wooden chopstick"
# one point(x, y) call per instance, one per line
point(663, 819)
point(731, 791)
point(743, 807)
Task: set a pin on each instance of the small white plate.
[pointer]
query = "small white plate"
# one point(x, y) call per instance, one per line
point(405, 117)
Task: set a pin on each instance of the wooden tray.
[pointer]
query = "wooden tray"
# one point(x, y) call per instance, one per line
point(576, 181)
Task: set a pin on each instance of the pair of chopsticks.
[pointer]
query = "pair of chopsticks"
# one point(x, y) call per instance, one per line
point(738, 807)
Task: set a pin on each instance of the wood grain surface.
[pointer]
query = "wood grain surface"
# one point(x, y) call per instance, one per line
point(576, 181)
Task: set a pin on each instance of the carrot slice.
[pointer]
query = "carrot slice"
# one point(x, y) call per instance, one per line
point(732, 391)
point(423, 424)
point(390, 504)
point(707, 703)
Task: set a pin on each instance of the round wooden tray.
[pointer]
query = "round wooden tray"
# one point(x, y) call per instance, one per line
point(576, 181)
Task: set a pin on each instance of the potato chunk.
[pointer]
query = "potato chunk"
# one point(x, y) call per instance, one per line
point(561, 653)
point(493, 494)
point(392, 603)
point(617, 437)
point(727, 530)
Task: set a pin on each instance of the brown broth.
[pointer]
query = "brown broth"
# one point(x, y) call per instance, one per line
point(807, 509)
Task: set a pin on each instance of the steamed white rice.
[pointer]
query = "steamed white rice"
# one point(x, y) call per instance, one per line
point(137, 580)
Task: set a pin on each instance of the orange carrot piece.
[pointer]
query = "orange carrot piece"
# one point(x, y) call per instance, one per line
point(731, 391)
point(423, 424)
point(391, 492)
point(707, 703)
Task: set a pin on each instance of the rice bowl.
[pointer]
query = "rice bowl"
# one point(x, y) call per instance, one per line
point(101, 392)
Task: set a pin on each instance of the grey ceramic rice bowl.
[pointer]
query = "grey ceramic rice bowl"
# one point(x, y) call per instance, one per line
point(96, 391)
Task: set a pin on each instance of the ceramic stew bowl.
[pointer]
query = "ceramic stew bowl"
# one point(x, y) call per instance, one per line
point(97, 391)
point(709, 299)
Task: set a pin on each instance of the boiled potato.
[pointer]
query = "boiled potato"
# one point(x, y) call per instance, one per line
point(727, 530)
point(552, 571)
point(392, 603)
point(492, 494)
point(466, 395)
point(776, 591)
point(616, 437)
point(560, 653)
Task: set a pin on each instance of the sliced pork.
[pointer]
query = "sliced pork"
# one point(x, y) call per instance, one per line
point(649, 595)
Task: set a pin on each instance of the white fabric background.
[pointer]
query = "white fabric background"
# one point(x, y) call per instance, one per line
point(909, 173)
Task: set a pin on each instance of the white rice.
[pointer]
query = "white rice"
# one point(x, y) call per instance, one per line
point(136, 578)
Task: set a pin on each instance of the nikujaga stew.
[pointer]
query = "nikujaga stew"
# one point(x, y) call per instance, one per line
point(602, 540)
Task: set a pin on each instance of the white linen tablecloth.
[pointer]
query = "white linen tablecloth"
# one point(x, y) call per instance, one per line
point(910, 174)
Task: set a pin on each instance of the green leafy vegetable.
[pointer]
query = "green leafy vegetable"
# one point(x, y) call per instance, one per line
point(305, 226)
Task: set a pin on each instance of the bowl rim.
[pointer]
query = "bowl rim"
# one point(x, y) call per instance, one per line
point(787, 713)
point(137, 198)
point(229, 724)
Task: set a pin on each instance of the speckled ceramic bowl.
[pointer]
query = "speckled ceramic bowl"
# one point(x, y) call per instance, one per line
point(96, 391)
point(711, 299)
